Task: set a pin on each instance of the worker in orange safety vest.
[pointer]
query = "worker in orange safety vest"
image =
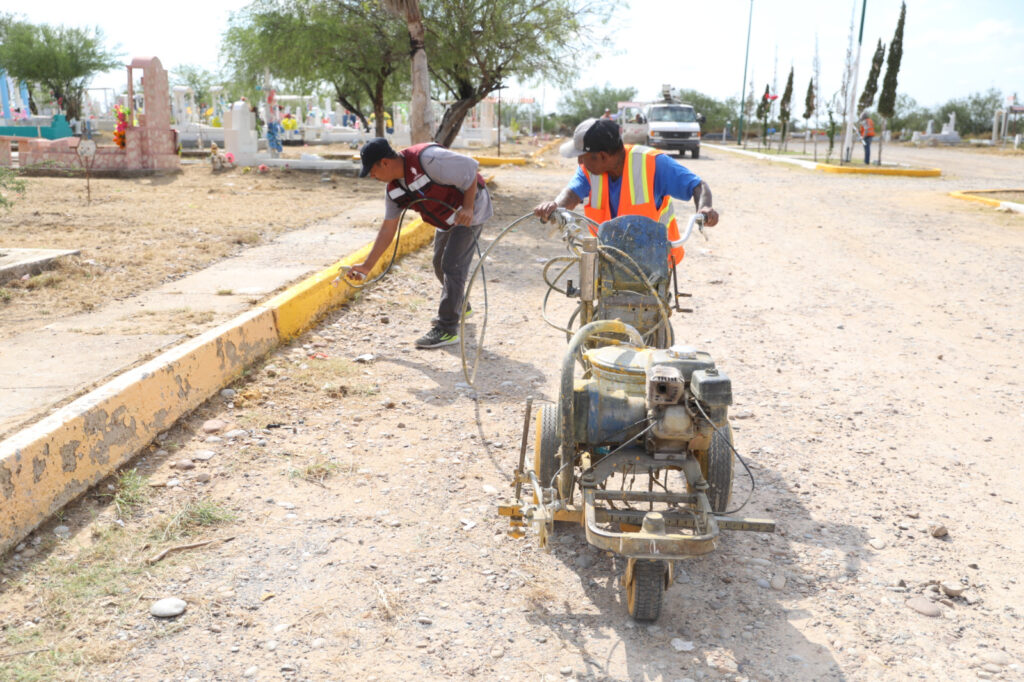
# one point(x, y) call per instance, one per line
point(616, 179)
point(867, 133)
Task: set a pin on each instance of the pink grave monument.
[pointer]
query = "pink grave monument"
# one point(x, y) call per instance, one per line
point(149, 146)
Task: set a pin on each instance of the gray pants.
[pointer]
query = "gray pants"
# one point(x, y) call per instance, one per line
point(453, 254)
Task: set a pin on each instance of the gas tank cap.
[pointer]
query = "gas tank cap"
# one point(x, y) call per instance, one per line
point(683, 352)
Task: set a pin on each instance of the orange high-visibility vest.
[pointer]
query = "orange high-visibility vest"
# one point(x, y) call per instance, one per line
point(867, 128)
point(636, 195)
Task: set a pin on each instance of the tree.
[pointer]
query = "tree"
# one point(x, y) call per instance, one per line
point(809, 107)
point(421, 119)
point(887, 100)
point(716, 113)
point(353, 45)
point(197, 78)
point(578, 105)
point(784, 111)
point(60, 59)
point(867, 96)
point(764, 107)
point(475, 45)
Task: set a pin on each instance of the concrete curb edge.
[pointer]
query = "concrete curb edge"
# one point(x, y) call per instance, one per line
point(50, 463)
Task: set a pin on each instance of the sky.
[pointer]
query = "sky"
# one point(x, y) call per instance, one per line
point(951, 48)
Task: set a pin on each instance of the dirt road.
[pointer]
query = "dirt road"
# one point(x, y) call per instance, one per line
point(872, 327)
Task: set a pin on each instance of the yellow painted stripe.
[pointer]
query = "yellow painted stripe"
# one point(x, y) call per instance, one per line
point(971, 197)
point(548, 147)
point(47, 465)
point(296, 309)
point(909, 172)
point(501, 160)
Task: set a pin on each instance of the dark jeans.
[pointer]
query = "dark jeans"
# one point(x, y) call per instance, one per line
point(867, 150)
point(453, 254)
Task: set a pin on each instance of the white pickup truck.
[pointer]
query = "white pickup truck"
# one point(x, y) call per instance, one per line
point(663, 125)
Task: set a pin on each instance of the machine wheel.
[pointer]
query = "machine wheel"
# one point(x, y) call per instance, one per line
point(718, 469)
point(545, 452)
point(695, 153)
point(645, 587)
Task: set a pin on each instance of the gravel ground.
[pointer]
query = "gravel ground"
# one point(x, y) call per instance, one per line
point(872, 327)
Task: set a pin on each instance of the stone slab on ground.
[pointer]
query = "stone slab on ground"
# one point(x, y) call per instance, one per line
point(15, 263)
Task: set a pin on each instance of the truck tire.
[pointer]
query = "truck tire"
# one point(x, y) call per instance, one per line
point(695, 152)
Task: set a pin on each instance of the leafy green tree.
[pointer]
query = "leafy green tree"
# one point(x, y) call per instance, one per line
point(764, 107)
point(355, 46)
point(197, 78)
point(973, 113)
point(784, 110)
point(591, 102)
point(887, 100)
point(867, 96)
point(60, 59)
point(476, 45)
point(717, 113)
point(908, 114)
point(809, 108)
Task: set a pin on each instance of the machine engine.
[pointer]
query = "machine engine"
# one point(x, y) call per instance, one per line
point(674, 394)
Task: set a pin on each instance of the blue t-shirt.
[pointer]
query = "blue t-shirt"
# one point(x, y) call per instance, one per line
point(670, 179)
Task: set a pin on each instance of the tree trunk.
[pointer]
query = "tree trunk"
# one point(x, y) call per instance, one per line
point(881, 139)
point(421, 119)
point(452, 120)
point(378, 110)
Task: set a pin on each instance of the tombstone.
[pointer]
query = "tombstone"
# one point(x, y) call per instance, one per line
point(949, 128)
point(240, 134)
point(931, 127)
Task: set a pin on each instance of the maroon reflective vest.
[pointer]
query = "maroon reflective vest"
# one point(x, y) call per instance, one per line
point(443, 201)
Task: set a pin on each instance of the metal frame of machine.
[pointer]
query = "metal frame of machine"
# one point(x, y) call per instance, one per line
point(642, 408)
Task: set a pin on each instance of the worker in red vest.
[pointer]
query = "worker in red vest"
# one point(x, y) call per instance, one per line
point(616, 179)
point(447, 191)
point(867, 133)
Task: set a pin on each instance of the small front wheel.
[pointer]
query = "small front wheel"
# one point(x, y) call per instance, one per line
point(645, 588)
point(547, 463)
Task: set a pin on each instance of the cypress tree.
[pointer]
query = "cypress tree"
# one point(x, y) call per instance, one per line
point(784, 111)
point(867, 98)
point(762, 114)
point(809, 107)
point(887, 100)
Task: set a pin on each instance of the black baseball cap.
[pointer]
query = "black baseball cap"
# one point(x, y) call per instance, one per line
point(593, 135)
point(372, 152)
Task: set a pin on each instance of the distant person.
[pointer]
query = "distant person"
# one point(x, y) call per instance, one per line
point(867, 133)
point(447, 191)
point(656, 179)
point(607, 114)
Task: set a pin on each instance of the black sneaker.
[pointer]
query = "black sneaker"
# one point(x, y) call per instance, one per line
point(436, 338)
point(469, 312)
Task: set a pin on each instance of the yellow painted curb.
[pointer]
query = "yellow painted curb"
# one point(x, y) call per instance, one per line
point(301, 305)
point(908, 172)
point(47, 465)
point(501, 160)
point(971, 195)
point(548, 147)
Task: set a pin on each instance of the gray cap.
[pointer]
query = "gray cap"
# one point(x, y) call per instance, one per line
point(593, 135)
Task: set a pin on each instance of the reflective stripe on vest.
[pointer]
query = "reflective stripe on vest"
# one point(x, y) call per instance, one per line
point(636, 195)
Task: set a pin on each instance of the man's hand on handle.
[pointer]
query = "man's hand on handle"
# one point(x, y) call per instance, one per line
point(710, 216)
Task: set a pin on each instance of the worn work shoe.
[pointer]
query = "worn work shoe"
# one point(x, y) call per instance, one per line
point(436, 338)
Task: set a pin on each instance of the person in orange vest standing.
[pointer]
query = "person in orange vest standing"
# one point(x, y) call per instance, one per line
point(626, 179)
point(867, 133)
